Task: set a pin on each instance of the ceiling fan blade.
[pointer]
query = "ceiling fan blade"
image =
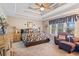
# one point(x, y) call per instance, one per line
point(46, 5)
point(47, 9)
point(42, 5)
point(33, 8)
point(38, 4)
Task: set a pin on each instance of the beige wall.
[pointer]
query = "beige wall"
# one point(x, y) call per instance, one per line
point(19, 22)
point(46, 26)
point(1, 11)
point(77, 29)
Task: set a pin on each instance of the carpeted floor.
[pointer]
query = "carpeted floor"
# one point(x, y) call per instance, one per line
point(45, 49)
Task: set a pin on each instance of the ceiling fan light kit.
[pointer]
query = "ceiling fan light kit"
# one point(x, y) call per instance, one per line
point(42, 8)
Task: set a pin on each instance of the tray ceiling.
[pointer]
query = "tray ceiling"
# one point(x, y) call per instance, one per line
point(30, 10)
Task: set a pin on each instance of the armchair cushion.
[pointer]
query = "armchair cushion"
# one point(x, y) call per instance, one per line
point(69, 43)
point(67, 46)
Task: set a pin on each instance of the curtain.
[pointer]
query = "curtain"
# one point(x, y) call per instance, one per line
point(66, 19)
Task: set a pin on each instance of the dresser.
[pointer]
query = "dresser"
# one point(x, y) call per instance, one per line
point(16, 35)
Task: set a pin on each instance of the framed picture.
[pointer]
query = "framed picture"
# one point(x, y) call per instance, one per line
point(29, 24)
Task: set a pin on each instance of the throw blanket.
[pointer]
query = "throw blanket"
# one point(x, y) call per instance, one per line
point(36, 36)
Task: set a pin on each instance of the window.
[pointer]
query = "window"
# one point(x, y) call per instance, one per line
point(70, 27)
point(53, 28)
point(50, 28)
point(60, 27)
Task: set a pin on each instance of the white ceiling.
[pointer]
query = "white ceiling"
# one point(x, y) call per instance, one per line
point(21, 9)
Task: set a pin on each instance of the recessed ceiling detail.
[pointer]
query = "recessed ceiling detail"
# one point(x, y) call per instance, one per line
point(43, 8)
point(39, 11)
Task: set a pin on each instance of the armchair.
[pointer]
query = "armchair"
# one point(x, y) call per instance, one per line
point(64, 43)
point(60, 37)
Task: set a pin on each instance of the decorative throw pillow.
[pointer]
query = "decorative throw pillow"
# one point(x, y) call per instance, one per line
point(62, 37)
point(70, 38)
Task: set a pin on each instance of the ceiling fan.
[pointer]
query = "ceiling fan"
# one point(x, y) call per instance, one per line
point(41, 6)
